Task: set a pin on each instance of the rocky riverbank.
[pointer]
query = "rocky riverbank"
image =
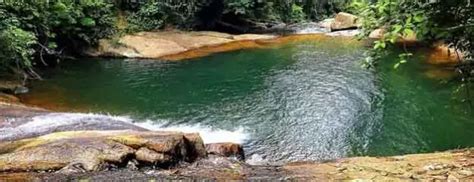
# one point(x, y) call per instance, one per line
point(179, 45)
point(99, 149)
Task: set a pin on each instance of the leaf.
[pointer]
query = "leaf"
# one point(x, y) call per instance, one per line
point(418, 18)
point(52, 45)
point(397, 28)
point(408, 31)
point(88, 22)
point(396, 66)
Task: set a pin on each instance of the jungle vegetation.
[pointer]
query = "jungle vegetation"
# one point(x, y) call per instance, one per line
point(41, 32)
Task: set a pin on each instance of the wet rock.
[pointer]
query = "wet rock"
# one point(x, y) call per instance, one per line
point(344, 33)
point(92, 150)
point(308, 28)
point(226, 150)
point(344, 21)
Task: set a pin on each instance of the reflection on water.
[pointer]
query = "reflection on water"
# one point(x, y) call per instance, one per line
point(303, 101)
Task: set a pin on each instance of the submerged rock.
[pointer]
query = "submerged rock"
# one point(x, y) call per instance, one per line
point(442, 54)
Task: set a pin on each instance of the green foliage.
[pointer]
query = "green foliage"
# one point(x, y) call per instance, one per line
point(431, 21)
point(52, 28)
point(320, 9)
point(297, 14)
point(44, 28)
point(240, 7)
point(448, 22)
point(16, 48)
point(154, 15)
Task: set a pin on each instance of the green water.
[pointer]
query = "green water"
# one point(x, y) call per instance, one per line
point(301, 101)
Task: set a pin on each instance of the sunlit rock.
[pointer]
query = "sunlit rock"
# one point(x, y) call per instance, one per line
point(166, 43)
point(96, 150)
point(344, 21)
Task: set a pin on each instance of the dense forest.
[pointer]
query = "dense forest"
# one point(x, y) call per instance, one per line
point(40, 32)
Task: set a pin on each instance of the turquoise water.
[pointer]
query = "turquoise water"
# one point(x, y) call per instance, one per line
point(300, 101)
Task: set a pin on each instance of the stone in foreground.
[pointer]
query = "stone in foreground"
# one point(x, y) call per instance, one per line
point(98, 150)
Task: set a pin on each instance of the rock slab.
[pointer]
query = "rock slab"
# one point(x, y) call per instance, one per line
point(99, 150)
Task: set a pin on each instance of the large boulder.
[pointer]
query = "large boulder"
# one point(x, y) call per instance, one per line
point(344, 21)
point(98, 150)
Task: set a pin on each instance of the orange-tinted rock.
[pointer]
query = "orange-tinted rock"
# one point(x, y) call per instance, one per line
point(442, 54)
point(226, 150)
point(7, 98)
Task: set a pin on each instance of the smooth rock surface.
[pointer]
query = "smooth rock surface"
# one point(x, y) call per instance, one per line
point(344, 21)
point(166, 43)
point(97, 150)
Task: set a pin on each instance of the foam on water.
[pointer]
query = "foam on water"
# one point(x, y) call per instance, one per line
point(52, 121)
point(208, 134)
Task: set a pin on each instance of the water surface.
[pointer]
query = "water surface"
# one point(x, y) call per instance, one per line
point(309, 100)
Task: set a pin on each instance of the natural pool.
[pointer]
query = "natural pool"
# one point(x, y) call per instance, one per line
point(307, 100)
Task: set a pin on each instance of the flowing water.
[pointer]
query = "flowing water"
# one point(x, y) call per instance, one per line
point(309, 100)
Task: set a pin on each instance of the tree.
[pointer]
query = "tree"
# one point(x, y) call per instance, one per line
point(450, 22)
